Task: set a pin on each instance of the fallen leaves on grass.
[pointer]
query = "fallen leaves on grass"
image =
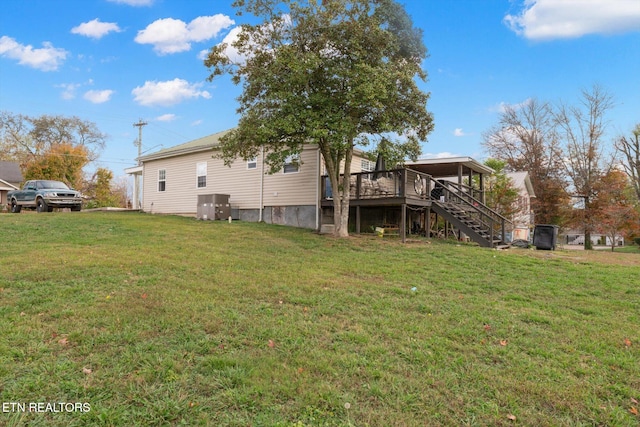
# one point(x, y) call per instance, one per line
point(271, 344)
point(634, 410)
point(87, 371)
point(63, 341)
point(511, 417)
point(504, 342)
point(487, 327)
point(627, 342)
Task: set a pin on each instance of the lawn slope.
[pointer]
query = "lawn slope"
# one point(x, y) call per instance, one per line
point(162, 320)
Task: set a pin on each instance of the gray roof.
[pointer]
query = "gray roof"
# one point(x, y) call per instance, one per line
point(522, 180)
point(200, 144)
point(10, 172)
point(447, 167)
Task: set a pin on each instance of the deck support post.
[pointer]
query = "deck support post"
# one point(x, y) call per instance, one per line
point(403, 223)
point(358, 219)
point(427, 222)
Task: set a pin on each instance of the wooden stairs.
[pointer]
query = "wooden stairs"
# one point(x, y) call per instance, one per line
point(480, 223)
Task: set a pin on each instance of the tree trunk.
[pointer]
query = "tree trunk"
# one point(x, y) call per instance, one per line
point(341, 215)
point(587, 240)
point(340, 185)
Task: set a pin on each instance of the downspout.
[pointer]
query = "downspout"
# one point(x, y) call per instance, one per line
point(318, 191)
point(261, 202)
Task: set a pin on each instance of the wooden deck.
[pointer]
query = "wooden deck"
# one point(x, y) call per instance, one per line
point(413, 191)
point(385, 188)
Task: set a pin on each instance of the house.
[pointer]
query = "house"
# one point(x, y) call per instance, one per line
point(523, 219)
point(175, 179)
point(10, 179)
point(576, 238)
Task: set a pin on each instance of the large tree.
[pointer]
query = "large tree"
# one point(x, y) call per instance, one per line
point(629, 147)
point(62, 162)
point(501, 193)
point(582, 128)
point(330, 73)
point(25, 138)
point(616, 207)
point(525, 139)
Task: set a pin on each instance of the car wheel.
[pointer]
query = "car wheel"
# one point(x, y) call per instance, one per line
point(41, 206)
point(77, 208)
point(15, 208)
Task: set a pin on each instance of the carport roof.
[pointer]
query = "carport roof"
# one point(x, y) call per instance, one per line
point(448, 167)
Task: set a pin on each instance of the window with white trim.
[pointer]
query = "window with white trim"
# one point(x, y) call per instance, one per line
point(292, 164)
point(201, 175)
point(367, 165)
point(252, 163)
point(162, 180)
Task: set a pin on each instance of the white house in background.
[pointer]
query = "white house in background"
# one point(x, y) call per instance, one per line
point(10, 179)
point(173, 178)
point(523, 219)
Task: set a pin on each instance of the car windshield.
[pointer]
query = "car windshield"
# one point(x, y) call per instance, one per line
point(57, 185)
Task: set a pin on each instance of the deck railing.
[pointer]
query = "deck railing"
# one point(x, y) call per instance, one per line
point(402, 183)
point(494, 223)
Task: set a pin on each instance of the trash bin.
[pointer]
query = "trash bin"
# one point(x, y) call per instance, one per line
point(545, 236)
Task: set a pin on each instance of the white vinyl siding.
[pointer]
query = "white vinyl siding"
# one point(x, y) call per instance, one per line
point(241, 184)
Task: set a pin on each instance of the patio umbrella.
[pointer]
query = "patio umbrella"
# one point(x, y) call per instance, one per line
point(380, 166)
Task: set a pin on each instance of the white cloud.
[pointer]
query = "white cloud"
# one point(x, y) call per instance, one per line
point(134, 2)
point(552, 19)
point(167, 93)
point(231, 52)
point(173, 35)
point(48, 58)
point(458, 132)
point(196, 122)
point(98, 96)
point(68, 90)
point(502, 106)
point(95, 29)
point(166, 118)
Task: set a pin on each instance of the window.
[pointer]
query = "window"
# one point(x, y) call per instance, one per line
point(292, 164)
point(367, 165)
point(252, 163)
point(162, 180)
point(201, 174)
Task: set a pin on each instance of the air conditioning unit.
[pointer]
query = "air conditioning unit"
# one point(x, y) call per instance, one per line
point(213, 206)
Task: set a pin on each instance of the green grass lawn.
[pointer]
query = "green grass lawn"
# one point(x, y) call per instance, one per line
point(161, 320)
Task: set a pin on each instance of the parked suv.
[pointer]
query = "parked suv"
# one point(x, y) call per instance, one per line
point(43, 196)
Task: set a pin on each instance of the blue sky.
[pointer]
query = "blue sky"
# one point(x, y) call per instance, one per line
point(114, 62)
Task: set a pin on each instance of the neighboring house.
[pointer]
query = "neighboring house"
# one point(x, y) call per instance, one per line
point(523, 219)
point(10, 179)
point(576, 238)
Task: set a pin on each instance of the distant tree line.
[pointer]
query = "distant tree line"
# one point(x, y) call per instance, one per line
point(59, 148)
point(580, 180)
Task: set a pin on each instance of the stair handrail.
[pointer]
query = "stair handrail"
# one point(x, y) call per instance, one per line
point(487, 216)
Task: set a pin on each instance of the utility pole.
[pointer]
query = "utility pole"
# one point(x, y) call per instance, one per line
point(136, 184)
point(138, 142)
